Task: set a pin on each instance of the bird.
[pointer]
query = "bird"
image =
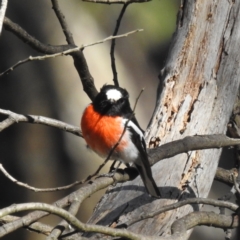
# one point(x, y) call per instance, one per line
point(108, 119)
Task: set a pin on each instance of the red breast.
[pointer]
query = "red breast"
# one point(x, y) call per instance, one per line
point(102, 132)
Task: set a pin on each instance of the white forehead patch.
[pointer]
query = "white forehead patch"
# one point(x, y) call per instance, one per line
point(113, 94)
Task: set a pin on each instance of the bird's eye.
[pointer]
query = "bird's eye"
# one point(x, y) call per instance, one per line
point(121, 100)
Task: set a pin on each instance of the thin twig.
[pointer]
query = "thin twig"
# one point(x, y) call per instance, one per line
point(80, 62)
point(113, 63)
point(81, 194)
point(34, 119)
point(72, 50)
point(32, 41)
point(157, 154)
point(207, 201)
point(69, 218)
point(62, 21)
point(25, 185)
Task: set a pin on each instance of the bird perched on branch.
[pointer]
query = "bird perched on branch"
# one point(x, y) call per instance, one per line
point(108, 122)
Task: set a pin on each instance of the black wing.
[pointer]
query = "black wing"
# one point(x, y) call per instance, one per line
point(142, 164)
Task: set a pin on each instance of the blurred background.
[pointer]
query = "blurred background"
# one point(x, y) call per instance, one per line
point(46, 157)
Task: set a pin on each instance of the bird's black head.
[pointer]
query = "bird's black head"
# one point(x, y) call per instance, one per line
point(112, 101)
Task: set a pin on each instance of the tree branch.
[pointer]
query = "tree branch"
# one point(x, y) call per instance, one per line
point(79, 59)
point(155, 154)
point(191, 201)
point(193, 219)
point(34, 227)
point(31, 41)
point(59, 229)
point(64, 53)
point(79, 195)
point(62, 21)
point(225, 176)
point(113, 63)
point(190, 143)
point(17, 118)
point(21, 184)
point(179, 227)
point(3, 9)
point(69, 218)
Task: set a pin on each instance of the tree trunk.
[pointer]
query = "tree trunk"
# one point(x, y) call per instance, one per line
point(196, 93)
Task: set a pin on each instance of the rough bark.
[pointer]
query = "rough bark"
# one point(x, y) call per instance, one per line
point(196, 93)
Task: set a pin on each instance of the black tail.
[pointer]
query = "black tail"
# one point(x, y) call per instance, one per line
point(145, 172)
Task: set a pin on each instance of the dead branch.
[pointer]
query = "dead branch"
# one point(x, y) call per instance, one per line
point(179, 227)
point(31, 41)
point(59, 228)
point(79, 59)
point(191, 201)
point(225, 176)
point(33, 119)
point(155, 154)
point(64, 53)
point(193, 219)
point(81, 194)
point(113, 64)
point(63, 23)
point(69, 218)
point(35, 227)
point(190, 143)
point(21, 184)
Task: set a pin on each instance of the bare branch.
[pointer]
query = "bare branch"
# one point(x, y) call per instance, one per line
point(81, 194)
point(156, 154)
point(225, 176)
point(21, 184)
point(31, 41)
point(179, 227)
point(78, 57)
point(207, 201)
point(191, 143)
point(193, 219)
point(35, 227)
point(113, 63)
point(3, 9)
point(62, 21)
point(64, 53)
point(17, 118)
point(57, 231)
point(69, 218)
